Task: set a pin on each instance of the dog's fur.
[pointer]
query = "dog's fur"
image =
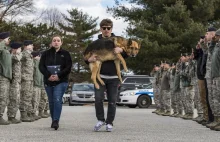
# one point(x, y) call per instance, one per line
point(104, 50)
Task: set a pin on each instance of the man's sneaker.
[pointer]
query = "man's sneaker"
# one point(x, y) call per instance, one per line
point(109, 127)
point(99, 125)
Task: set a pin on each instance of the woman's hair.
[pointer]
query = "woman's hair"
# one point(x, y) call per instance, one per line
point(57, 36)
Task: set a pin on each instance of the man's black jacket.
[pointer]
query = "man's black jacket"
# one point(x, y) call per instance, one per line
point(51, 57)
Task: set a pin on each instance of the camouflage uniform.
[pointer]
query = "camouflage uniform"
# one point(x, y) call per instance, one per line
point(38, 84)
point(14, 97)
point(44, 104)
point(156, 89)
point(177, 89)
point(27, 71)
point(183, 87)
point(160, 72)
point(173, 95)
point(189, 90)
point(5, 77)
point(166, 96)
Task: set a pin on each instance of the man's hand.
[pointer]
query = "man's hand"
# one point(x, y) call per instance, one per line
point(53, 78)
point(93, 58)
point(118, 50)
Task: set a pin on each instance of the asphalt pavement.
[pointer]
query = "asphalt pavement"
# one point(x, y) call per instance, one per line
point(130, 125)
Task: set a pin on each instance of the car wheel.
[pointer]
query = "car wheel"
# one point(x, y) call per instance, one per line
point(144, 101)
point(132, 106)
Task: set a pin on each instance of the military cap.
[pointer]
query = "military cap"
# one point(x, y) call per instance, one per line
point(217, 33)
point(28, 42)
point(35, 53)
point(4, 35)
point(185, 54)
point(211, 29)
point(15, 45)
point(156, 65)
point(167, 62)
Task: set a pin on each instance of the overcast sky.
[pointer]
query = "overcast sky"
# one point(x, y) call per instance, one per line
point(95, 8)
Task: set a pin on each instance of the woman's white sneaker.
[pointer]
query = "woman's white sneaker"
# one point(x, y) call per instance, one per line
point(109, 127)
point(99, 125)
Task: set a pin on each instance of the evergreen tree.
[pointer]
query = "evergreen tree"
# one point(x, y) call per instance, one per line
point(79, 29)
point(166, 27)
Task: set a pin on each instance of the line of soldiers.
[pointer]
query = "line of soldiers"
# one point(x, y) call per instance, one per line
point(21, 83)
point(192, 82)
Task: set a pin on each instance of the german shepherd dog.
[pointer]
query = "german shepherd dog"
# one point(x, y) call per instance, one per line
point(104, 50)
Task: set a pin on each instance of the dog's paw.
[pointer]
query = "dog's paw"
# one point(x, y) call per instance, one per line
point(96, 86)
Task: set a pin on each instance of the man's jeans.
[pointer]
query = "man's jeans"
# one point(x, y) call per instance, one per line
point(111, 86)
point(55, 95)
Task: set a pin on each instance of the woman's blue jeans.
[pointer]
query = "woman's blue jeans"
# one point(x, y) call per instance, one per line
point(55, 95)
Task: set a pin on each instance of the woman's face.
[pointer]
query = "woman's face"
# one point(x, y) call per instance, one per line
point(56, 42)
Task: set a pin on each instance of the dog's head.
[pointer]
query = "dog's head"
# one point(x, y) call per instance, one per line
point(132, 48)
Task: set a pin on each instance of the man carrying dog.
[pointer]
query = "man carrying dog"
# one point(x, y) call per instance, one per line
point(109, 76)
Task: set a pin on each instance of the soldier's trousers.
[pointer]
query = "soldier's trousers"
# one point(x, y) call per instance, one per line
point(197, 100)
point(174, 101)
point(204, 103)
point(36, 99)
point(43, 100)
point(189, 97)
point(4, 93)
point(166, 100)
point(26, 96)
point(211, 95)
point(182, 99)
point(156, 96)
point(14, 99)
point(179, 102)
point(216, 96)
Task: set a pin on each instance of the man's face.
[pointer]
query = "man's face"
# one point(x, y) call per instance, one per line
point(106, 31)
point(29, 47)
point(156, 68)
point(166, 66)
point(183, 58)
point(7, 41)
point(209, 35)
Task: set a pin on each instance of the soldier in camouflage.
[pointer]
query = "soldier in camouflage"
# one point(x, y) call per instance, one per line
point(215, 76)
point(44, 105)
point(156, 87)
point(165, 88)
point(14, 96)
point(5, 74)
point(189, 92)
point(173, 94)
point(38, 84)
point(160, 72)
point(27, 71)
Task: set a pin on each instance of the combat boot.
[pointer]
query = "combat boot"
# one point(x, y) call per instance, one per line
point(46, 113)
point(184, 116)
point(199, 117)
point(174, 115)
point(168, 113)
point(35, 117)
point(188, 116)
point(31, 117)
point(214, 123)
point(41, 114)
point(161, 112)
point(13, 120)
point(24, 117)
point(3, 122)
point(154, 111)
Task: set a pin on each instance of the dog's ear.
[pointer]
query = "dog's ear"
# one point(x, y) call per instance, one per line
point(129, 42)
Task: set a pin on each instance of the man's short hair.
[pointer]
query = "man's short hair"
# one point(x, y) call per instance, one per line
point(106, 22)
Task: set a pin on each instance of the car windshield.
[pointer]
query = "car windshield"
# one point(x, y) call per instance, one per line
point(143, 80)
point(83, 87)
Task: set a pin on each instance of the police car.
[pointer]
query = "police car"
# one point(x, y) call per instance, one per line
point(142, 98)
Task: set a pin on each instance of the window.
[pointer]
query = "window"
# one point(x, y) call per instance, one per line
point(83, 87)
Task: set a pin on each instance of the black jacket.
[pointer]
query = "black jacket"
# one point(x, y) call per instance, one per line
point(51, 57)
point(108, 67)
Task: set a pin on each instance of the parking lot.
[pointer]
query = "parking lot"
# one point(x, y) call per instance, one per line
point(131, 124)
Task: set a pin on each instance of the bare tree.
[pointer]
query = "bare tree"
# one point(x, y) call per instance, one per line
point(52, 17)
point(15, 7)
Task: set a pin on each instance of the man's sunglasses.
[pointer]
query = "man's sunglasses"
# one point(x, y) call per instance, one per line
point(108, 28)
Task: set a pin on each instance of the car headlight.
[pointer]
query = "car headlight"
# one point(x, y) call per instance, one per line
point(129, 94)
point(74, 95)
